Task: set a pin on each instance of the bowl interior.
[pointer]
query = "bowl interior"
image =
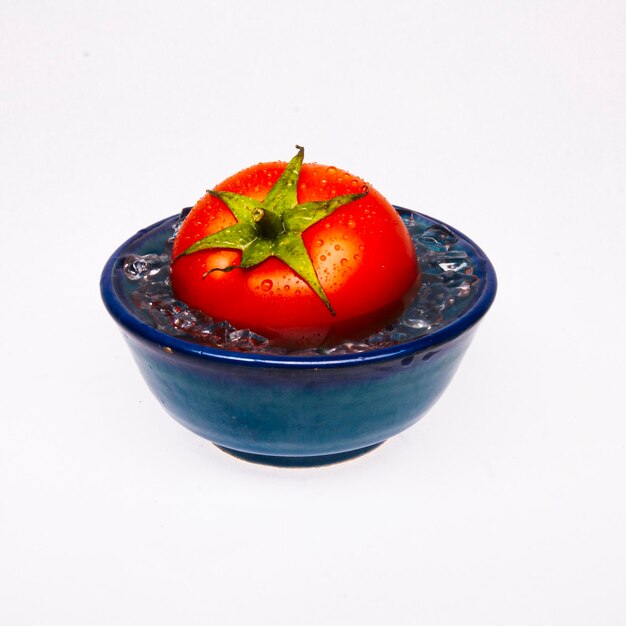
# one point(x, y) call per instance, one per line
point(117, 294)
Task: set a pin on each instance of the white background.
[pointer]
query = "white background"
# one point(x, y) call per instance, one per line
point(505, 504)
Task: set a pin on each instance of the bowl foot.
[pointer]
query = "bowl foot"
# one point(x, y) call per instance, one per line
point(299, 461)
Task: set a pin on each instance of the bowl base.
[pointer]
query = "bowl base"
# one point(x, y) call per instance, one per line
point(299, 461)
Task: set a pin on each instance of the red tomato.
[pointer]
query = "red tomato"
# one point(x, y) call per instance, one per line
point(362, 256)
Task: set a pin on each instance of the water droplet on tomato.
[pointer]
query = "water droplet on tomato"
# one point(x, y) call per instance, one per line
point(267, 284)
point(344, 262)
point(319, 243)
point(323, 181)
point(337, 246)
point(286, 287)
point(354, 182)
point(323, 257)
point(357, 257)
point(331, 170)
point(351, 223)
point(361, 247)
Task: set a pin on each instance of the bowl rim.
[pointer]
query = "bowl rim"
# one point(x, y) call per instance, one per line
point(446, 334)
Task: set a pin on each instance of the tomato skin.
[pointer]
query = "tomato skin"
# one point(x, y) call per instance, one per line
point(362, 254)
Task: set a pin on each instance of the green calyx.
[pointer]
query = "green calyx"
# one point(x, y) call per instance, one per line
point(274, 226)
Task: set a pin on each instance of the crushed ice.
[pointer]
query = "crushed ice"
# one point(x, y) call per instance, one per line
point(447, 282)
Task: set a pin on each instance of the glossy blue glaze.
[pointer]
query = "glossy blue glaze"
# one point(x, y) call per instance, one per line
point(287, 410)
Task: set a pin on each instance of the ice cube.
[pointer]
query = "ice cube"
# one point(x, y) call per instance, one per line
point(453, 261)
point(246, 340)
point(138, 267)
point(438, 238)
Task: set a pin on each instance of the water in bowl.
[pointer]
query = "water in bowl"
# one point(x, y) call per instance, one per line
point(448, 286)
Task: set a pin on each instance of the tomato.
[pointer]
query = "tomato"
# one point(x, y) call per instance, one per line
point(303, 254)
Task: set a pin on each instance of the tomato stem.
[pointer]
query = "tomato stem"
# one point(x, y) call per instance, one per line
point(268, 224)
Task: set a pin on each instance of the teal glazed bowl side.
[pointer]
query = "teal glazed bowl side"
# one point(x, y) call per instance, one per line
point(296, 412)
point(283, 410)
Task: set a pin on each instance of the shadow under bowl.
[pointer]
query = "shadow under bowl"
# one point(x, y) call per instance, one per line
point(293, 410)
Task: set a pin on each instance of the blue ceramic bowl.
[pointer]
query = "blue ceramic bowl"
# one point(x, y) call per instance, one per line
point(293, 411)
